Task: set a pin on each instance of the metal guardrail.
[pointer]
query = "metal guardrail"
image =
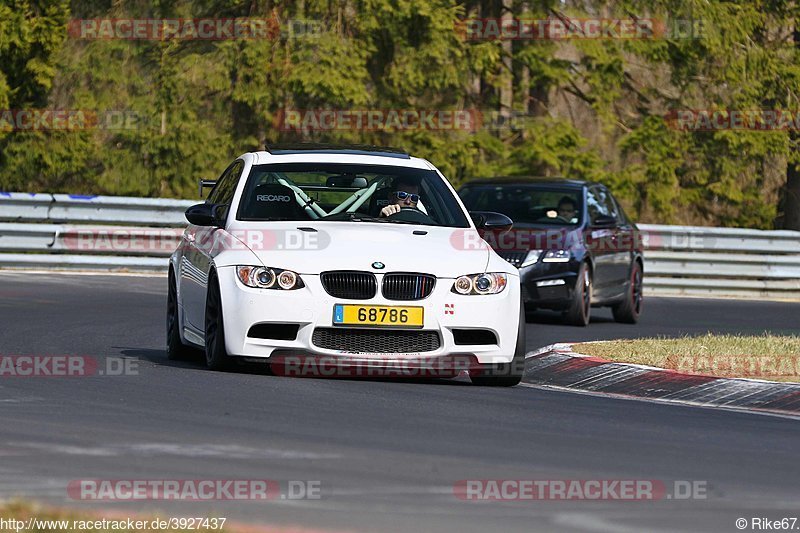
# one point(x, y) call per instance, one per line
point(137, 234)
point(71, 208)
point(702, 261)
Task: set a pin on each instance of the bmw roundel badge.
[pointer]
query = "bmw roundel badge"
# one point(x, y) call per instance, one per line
point(378, 265)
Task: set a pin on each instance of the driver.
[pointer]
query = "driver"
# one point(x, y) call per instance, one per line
point(566, 208)
point(405, 195)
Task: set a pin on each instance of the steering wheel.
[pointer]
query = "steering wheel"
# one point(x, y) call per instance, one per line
point(411, 214)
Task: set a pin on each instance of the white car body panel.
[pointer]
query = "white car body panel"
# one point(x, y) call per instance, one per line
point(351, 246)
point(348, 246)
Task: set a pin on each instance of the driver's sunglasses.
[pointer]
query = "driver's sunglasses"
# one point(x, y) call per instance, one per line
point(402, 195)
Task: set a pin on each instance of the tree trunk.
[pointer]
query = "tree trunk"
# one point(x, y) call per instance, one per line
point(791, 197)
point(507, 83)
point(791, 193)
point(525, 71)
point(474, 12)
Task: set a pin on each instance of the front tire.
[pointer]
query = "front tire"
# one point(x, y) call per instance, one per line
point(630, 309)
point(580, 310)
point(505, 374)
point(176, 350)
point(217, 357)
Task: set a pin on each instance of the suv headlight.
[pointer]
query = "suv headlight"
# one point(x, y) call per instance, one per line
point(530, 258)
point(486, 283)
point(268, 278)
point(556, 256)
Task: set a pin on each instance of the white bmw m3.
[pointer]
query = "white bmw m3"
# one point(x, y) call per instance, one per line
point(357, 255)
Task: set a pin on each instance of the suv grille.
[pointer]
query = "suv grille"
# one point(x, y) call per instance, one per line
point(369, 341)
point(350, 285)
point(407, 286)
point(515, 258)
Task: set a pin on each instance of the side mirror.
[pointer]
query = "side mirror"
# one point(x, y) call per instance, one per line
point(604, 221)
point(203, 215)
point(491, 221)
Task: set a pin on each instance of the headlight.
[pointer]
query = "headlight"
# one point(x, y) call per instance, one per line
point(268, 278)
point(556, 256)
point(463, 285)
point(486, 283)
point(287, 280)
point(531, 258)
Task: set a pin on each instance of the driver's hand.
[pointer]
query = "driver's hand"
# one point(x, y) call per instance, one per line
point(390, 209)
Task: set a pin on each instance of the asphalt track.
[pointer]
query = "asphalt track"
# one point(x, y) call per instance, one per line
point(386, 453)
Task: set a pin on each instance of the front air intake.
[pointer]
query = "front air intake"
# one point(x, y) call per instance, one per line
point(376, 341)
point(401, 286)
point(351, 285)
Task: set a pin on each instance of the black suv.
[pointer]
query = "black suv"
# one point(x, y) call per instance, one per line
point(572, 242)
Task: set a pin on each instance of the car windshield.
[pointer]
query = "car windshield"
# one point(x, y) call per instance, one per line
point(356, 193)
point(527, 204)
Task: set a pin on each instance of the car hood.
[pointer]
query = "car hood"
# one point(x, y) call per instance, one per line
point(315, 247)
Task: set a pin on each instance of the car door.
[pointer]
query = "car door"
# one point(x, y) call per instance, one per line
point(196, 261)
point(600, 242)
point(627, 244)
point(619, 262)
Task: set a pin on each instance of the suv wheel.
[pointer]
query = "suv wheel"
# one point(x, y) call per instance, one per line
point(580, 310)
point(630, 309)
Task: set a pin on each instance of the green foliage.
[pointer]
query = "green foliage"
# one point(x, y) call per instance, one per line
point(593, 109)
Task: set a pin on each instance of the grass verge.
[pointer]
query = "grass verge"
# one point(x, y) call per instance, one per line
point(769, 357)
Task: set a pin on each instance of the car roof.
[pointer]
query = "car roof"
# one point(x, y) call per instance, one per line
point(328, 148)
point(337, 153)
point(529, 181)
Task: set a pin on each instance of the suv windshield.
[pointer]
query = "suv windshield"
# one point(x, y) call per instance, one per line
point(527, 204)
point(325, 192)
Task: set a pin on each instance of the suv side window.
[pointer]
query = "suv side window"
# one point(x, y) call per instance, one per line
point(621, 218)
point(223, 191)
point(608, 201)
point(596, 204)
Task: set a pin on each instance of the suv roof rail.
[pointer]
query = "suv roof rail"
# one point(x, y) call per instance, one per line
point(323, 148)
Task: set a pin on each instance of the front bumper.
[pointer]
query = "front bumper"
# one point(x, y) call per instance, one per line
point(542, 287)
point(311, 307)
